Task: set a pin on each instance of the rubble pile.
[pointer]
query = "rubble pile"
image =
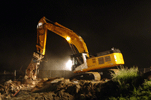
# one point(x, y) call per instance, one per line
point(11, 88)
point(51, 89)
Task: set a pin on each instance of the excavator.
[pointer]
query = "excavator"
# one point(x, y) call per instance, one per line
point(82, 62)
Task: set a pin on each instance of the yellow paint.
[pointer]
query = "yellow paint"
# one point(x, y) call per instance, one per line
point(93, 63)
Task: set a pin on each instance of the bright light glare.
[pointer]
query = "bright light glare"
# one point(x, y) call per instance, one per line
point(69, 65)
point(68, 38)
point(39, 24)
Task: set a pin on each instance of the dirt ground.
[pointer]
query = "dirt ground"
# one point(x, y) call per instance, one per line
point(51, 89)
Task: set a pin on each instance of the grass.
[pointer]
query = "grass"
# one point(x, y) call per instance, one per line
point(127, 84)
point(125, 74)
point(131, 86)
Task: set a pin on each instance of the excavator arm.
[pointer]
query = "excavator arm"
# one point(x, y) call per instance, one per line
point(69, 35)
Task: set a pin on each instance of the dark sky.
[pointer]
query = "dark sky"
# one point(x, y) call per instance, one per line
point(123, 24)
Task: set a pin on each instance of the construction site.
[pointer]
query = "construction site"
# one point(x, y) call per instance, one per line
point(89, 77)
point(86, 72)
point(75, 50)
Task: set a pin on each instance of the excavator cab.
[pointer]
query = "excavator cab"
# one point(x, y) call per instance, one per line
point(79, 61)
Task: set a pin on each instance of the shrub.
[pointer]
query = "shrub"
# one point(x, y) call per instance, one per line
point(125, 74)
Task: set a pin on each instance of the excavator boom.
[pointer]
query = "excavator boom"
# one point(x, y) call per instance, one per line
point(69, 35)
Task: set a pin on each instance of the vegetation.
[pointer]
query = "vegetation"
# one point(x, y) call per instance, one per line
point(131, 85)
point(127, 84)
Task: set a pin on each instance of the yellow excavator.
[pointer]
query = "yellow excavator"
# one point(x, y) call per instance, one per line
point(81, 60)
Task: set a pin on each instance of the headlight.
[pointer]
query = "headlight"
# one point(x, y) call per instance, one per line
point(69, 65)
point(40, 25)
point(68, 38)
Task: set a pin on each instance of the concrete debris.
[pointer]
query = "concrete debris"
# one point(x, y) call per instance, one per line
point(57, 80)
point(49, 88)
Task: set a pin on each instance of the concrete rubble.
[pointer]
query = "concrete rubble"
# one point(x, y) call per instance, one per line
point(49, 89)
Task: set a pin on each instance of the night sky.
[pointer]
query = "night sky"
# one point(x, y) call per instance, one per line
point(123, 24)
